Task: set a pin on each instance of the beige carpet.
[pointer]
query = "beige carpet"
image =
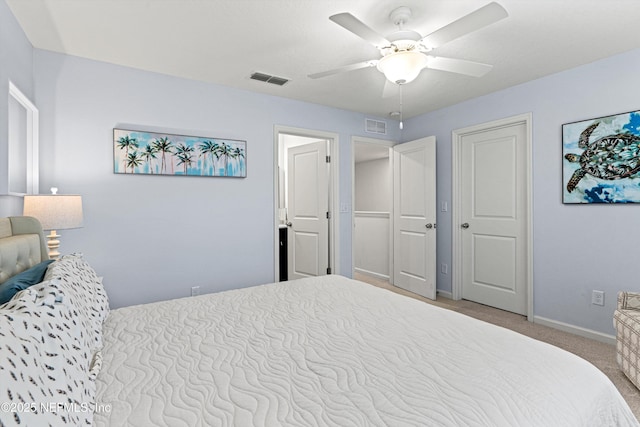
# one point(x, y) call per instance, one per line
point(602, 355)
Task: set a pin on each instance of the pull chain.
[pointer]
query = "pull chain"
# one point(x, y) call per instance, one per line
point(401, 125)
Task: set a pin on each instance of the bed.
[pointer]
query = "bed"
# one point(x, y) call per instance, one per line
point(324, 351)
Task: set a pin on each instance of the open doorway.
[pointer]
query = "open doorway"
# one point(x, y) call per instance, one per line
point(410, 229)
point(372, 244)
point(305, 199)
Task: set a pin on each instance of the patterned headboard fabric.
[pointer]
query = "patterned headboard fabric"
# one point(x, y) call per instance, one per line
point(22, 245)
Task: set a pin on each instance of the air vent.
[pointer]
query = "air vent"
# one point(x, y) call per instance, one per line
point(280, 81)
point(375, 126)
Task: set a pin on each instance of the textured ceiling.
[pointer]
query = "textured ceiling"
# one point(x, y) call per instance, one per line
point(224, 41)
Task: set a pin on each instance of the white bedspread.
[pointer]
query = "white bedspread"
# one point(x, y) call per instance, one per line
point(331, 351)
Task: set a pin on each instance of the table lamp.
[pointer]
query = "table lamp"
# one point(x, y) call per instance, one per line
point(55, 212)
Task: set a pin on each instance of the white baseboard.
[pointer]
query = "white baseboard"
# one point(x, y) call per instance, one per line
point(445, 294)
point(566, 327)
point(371, 273)
point(576, 330)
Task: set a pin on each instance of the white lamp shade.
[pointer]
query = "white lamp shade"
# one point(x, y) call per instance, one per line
point(55, 212)
point(402, 67)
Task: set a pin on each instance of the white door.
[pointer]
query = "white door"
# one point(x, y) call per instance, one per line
point(493, 217)
point(308, 207)
point(414, 201)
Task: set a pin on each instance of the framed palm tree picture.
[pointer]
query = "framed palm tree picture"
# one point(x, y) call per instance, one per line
point(151, 153)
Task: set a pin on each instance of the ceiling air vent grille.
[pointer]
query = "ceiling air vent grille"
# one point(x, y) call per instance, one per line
point(375, 126)
point(267, 78)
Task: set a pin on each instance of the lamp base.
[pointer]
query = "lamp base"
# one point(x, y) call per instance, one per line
point(53, 243)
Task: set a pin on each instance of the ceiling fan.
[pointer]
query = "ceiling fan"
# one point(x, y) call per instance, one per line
point(405, 53)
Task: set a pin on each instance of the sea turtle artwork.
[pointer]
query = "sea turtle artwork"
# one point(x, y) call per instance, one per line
point(609, 157)
point(608, 168)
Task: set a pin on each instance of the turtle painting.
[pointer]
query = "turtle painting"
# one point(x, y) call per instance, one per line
point(609, 157)
point(611, 153)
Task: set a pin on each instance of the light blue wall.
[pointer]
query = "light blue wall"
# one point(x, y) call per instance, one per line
point(576, 248)
point(154, 237)
point(16, 65)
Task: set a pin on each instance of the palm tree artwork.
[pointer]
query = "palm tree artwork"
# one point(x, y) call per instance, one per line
point(134, 159)
point(163, 145)
point(148, 154)
point(238, 156)
point(224, 152)
point(125, 143)
point(184, 153)
point(208, 150)
point(142, 152)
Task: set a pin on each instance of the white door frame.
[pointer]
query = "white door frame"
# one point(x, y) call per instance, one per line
point(388, 144)
point(456, 202)
point(334, 198)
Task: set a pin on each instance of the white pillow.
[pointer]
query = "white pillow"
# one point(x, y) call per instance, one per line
point(84, 293)
point(44, 374)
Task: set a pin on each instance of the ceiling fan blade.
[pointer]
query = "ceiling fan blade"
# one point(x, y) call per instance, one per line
point(357, 27)
point(482, 17)
point(359, 65)
point(460, 66)
point(390, 89)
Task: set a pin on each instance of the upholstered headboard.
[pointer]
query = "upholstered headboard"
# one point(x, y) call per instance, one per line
point(22, 245)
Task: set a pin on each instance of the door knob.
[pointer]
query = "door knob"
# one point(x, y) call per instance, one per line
point(429, 226)
point(465, 225)
point(289, 223)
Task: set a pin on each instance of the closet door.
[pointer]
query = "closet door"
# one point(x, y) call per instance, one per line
point(414, 199)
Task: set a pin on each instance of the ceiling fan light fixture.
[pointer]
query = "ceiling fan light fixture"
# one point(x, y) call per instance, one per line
point(402, 67)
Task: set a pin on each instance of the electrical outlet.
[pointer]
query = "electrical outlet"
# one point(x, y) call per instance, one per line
point(597, 298)
point(195, 291)
point(444, 268)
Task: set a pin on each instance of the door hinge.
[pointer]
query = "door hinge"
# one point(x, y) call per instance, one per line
point(328, 159)
point(328, 215)
point(328, 270)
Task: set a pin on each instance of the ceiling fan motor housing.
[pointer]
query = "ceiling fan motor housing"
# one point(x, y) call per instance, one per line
point(404, 40)
point(402, 60)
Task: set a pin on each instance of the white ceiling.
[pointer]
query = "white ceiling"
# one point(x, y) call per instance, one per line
point(224, 41)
